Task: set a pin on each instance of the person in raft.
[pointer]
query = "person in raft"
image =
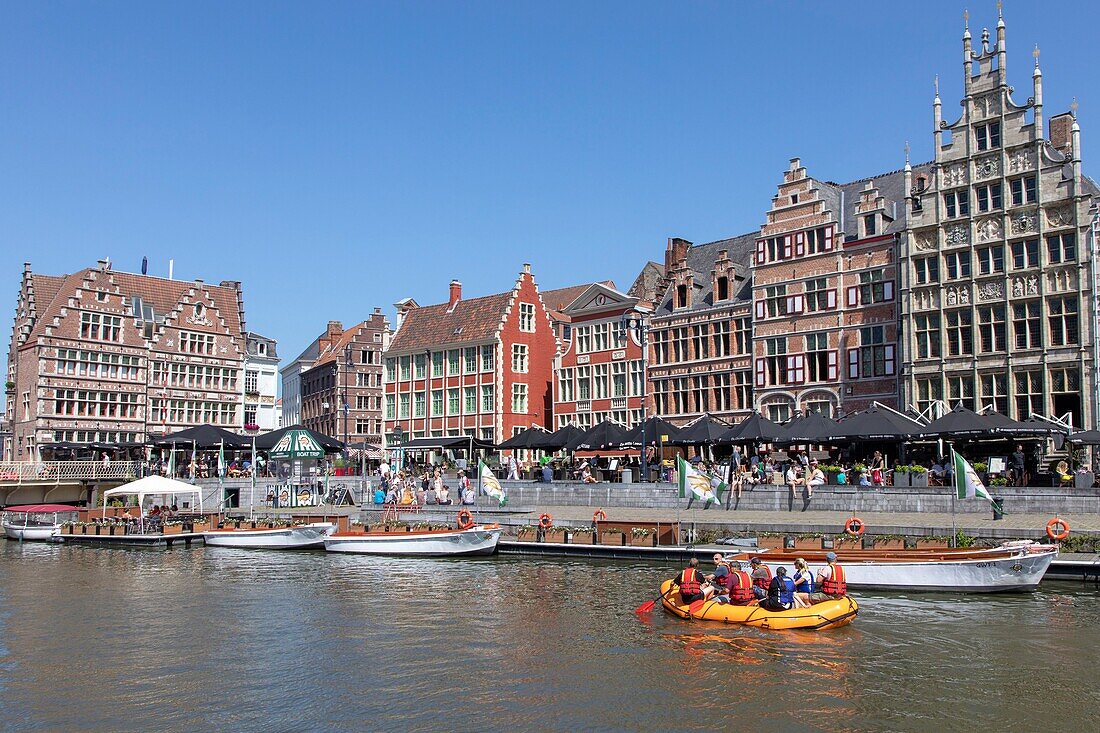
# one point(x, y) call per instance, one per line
point(761, 578)
point(780, 592)
point(830, 581)
point(738, 588)
point(691, 583)
point(716, 582)
point(803, 584)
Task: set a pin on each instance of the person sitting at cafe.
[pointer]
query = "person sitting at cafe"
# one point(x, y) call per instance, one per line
point(816, 478)
point(780, 595)
point(864, 479)
point(444, 496)
point(842, 477)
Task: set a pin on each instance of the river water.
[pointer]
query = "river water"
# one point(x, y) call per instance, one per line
point(216, 639)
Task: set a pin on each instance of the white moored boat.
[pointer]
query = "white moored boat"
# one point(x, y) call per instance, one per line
point(989, 571)
point(300, 537)
point(477, 540)
point(40, 522)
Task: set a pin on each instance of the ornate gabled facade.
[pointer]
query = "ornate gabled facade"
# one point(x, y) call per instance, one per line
point(109, 358)
point(997, 271)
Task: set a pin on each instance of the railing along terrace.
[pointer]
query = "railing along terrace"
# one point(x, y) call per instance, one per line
point(38, 471)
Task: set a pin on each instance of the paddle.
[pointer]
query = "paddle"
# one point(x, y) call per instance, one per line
point(696, 606)
point(648, 605)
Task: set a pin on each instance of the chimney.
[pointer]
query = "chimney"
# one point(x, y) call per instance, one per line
point(676, 250)
point(1060, 131)
point(456, 292)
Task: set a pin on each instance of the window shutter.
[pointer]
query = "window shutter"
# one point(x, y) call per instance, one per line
point(888, 290)
point(853, 295)
point(800, 244)
point(889, 358)
point(830, 298)
point(761, 253)
point(853, 363)
point(796, 369)
point(799, 303)
point(790, 304)
point(760, 309)
point(828, 239)
point(832, 366)
point(786, 246)
point(761, 373)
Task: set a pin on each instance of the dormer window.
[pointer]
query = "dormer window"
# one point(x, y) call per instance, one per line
point(681, 296)
point(101, 296)
point(261, 349)
point(988, 136)
point(723, 287)
point(870, 225)
point(794, 198)
point(922, 183)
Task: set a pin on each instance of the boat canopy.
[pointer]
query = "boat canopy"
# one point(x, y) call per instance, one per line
point(41, 508)
point(152, 486)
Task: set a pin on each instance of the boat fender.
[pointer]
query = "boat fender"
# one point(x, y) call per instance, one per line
point(1057, 529)
point(465, 519)
point(855, 527)
point(546, 521)
point(599, 516)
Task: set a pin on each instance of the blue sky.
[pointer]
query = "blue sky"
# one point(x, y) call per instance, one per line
point(337, 156)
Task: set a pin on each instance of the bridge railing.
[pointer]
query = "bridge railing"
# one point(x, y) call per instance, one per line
point(57, 471)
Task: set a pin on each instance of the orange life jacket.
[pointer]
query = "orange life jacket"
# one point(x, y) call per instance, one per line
point(740, 587)
point(763, 582)
point(835, 585)
point(689, 582)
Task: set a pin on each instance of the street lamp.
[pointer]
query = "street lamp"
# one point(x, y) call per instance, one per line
point(347, 407)
point(635, 321)
point(398, 438)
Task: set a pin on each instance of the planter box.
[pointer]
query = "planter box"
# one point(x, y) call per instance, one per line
point(830, 478)
point(200, 527)
point(894, 544)
point(357, 529)
point(583, 538)
point(902, 479)
point(376, 528)
point(528, 535)
point(616, 539)
point(648, 541)
point(68, 529)
point(770, 543)
point(846, 543)
point(554, 535)
point(927, 544)
point(919, 480)
point(807, 543)
point(173, 528)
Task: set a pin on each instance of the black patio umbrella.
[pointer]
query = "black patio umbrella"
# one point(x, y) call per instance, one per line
point(606, 435)
point(653, 429)
point(961, 422)
point(559, 438)
point(1005, 425)
point(267, 441)
point(528, 439)
point(206, 437)
point(877, 423)
point(813, 427)
point(1085, 437)
point(704, 430)
point(753, 429)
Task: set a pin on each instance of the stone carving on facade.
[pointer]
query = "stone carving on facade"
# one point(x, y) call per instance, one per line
point(1059, 280)
point(959, 295)
point(991, 290)
point(926, 241)
point(987, 167)
point(1022, 286)
point(957, 234)
point(990, 228)
point(1024, 221)
point(1021, 160)
point(954, 175)
point(988, 104)
point(1060, 216)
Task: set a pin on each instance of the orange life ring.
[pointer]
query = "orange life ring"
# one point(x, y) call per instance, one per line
point(855, 527)
point(465, 519)
point(599, 516)
point(546, 521)
point(1058, 535)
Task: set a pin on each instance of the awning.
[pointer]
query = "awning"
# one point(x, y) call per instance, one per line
point(877, 423)
point(604, 436)
point(206, 437)
point(453, 442)
point(652, 430)
point(813, 427)
point(703, 430)
point(528, 439)
point(267, 441)
point(560, 438)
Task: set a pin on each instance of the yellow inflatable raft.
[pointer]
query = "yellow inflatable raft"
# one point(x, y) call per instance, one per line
point(825, 615)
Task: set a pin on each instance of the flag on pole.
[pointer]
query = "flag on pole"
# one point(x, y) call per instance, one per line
point(699, 484)
point(718, 484)
point(488, 483)
point(172, 462)
point(221, 459)
point(967, 483)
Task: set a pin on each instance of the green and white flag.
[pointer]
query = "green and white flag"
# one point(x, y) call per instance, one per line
point(718, 484)
point(489, 484)
point(699, 484)
point(967, 483)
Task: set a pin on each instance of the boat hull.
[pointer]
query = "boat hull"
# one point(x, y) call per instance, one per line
point(990, 573)
point(825, 615)
point(31, 532)
point(302, 537)
point(437, 543)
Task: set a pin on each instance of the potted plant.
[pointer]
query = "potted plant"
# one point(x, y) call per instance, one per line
point(612, 536)
point(831, 471)
point(981, 467)
point(340, 465)
point(229, 524)
point(528, 533)
point(643, 537)
point(357, 527)
point(583, 536)
point(200, 524)
point(901, 477)
point(9, 386)
point(173, 526)
point(554, 534)
point(918, 477)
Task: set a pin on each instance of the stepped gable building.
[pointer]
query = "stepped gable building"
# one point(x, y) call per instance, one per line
point(997, 268)
point(599, 369)
point(825, 295)
point(479, 367)
point(109, 358)
point(341, 390)
point(700, 334)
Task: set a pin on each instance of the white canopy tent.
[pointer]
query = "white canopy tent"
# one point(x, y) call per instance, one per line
point(152, 486)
